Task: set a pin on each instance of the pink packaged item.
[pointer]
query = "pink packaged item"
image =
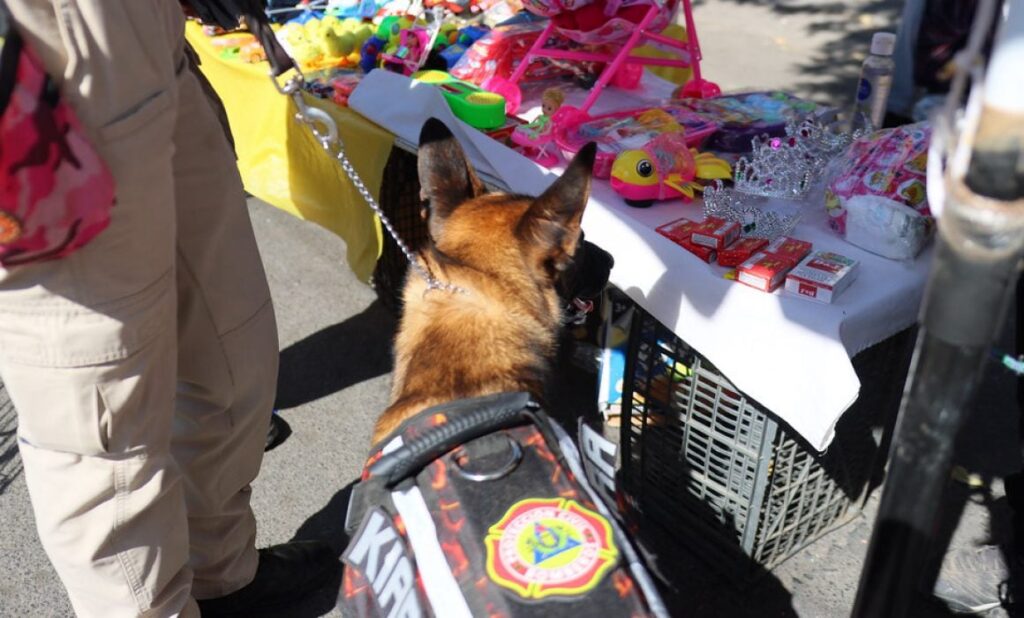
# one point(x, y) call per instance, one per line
point(56, 192)
point(875, 192)
point(627, 130)
point(500, 51)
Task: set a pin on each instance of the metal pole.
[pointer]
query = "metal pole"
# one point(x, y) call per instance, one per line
point(980, 245)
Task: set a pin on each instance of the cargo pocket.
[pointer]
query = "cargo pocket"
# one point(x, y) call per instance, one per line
point(59, 409)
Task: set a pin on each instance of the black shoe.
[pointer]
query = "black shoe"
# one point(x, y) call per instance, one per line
point(286, 574)
point(279, 432)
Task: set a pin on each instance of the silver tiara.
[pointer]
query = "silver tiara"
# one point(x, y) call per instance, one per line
point(787, 166)
point(749, 211)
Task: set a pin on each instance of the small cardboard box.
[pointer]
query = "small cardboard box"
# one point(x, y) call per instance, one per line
point(679, 230)
point(822, 276)
point(790, 248)
point(705, 253)
point(715, 233)
point(738, 252)
point(764, 271)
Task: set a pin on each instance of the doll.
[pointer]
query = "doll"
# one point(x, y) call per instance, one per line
point(550, 101)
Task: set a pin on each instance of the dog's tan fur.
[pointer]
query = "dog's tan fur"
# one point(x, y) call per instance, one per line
point(505, 252)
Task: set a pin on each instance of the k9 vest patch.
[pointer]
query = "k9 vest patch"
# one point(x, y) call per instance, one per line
point(380, 560)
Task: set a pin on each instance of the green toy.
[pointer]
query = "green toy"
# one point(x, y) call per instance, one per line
point(476, 107)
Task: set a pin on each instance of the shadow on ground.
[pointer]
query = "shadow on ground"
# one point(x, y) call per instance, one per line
point(10, 462)
point(830, 73)
point(336, 357)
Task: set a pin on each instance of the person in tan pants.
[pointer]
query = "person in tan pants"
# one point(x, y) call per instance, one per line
point(143, 367)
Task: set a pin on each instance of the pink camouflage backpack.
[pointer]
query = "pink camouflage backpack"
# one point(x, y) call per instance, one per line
point(56, 192)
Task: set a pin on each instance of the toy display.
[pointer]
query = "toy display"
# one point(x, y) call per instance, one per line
point(665, 168)
point(537, 135)
point(875, 192)
point(629, 129)
point(502, 50)
point(822, 276)
point(325, 43)
point(743, 117)
point(617, 27)
point(476, 107)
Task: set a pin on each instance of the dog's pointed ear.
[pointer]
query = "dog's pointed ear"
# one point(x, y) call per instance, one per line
point(553, 220)
point(446, 179)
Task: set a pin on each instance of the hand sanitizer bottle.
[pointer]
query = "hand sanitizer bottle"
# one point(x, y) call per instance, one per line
point(875, 83)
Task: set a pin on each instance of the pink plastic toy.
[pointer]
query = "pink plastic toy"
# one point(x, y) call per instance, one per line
point(620, 131)
point(536, 136)
point(618, 25)
point(663, 169)
point(413, 47)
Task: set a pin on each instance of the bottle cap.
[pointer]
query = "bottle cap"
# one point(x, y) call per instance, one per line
point(883, 43)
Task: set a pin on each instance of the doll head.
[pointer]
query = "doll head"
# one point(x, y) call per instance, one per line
point(551, 100)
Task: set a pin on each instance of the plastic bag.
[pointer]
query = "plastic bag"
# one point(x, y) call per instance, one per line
point(875, 192)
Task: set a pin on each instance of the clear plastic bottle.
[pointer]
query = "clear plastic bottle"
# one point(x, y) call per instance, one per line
point(875, 83)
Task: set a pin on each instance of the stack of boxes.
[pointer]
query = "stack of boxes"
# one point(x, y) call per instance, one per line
point(765, 265)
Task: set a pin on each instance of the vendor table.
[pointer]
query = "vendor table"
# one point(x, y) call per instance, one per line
point(755, 477)
point(791, 355)
point(282, 164)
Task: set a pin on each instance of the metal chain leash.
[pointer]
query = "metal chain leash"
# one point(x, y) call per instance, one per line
point(332, 144)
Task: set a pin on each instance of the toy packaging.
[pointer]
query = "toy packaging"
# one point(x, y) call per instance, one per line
point(739, 251)
point(764, 271)
point(789, 249)
point(500, 51)
point(632, 129)
point(822, 276)
point(875, 192)
point(742, 117)
point(715, 233)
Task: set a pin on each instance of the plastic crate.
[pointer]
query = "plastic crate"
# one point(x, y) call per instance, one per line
point(718, 473)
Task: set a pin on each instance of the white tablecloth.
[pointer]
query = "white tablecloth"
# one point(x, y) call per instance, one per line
point(790, 354)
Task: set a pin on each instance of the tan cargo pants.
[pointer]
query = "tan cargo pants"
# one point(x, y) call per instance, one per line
point(143, 367)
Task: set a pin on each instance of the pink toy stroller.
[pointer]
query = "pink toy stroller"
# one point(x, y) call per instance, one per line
point(621, 26)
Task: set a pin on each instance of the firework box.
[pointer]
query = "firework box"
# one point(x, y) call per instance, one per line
point(678, 230)
point(764, 271)
point(789, 248)
point(705, 253)
point(738, 252)
point(715, 233)
point(822, 276)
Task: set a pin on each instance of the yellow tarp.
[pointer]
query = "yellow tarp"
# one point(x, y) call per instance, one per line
point(283, 165)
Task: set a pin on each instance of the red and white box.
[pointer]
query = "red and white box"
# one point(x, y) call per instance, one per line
point(822, 276)
point(790, 248)
point(705, 253)
point(738, 252)
point(679, 230)
point(715, 233)
point(764, 271)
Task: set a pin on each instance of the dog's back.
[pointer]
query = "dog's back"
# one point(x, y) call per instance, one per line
point(504, 253)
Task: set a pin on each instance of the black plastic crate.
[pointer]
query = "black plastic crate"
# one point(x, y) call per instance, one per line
point(718, 473)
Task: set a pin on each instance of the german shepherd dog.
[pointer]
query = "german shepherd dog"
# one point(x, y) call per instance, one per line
point(507, 254)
